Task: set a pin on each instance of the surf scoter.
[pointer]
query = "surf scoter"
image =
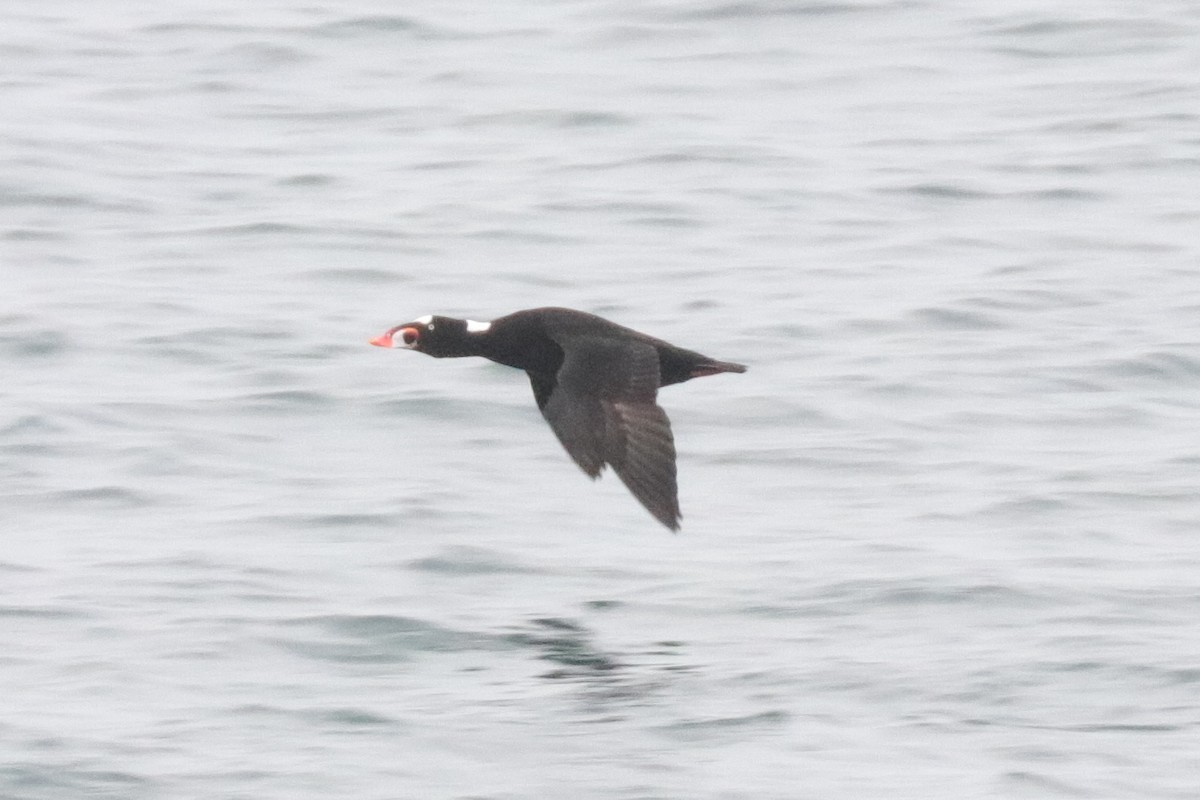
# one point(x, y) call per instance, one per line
point(595, 382)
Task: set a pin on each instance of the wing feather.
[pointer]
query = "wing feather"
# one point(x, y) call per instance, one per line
point(602, 409)
point(647, 465)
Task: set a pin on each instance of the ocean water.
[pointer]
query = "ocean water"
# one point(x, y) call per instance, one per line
point(939, 542)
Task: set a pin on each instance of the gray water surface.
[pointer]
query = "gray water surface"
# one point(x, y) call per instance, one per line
point(939, 541)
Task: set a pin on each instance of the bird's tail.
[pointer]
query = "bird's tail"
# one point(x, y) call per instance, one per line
point(715, 367)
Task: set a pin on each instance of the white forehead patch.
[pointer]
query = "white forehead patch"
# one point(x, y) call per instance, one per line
point(477, 327)
point(425, 320)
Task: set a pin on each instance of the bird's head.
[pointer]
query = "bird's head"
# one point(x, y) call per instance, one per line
point(440, 337)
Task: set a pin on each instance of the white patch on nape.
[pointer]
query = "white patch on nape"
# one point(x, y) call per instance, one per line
point(425, 320)
point(477, 327)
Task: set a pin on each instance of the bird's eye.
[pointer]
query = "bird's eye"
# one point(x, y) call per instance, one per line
point(409, 335)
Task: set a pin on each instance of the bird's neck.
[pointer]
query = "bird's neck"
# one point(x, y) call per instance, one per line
point(472, 339)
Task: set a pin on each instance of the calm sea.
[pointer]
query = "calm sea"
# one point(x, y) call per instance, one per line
point(939, 542)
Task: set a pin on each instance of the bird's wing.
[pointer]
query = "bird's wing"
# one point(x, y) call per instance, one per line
point(543, 384)
point(603, 410)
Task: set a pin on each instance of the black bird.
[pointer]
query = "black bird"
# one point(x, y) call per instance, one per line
point(595, 382)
